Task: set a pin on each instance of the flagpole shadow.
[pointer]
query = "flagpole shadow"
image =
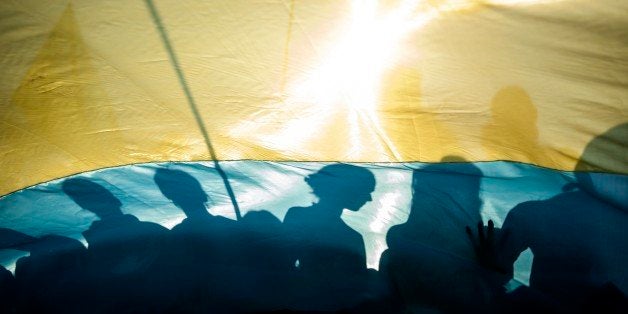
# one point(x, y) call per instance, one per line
point(190, 99)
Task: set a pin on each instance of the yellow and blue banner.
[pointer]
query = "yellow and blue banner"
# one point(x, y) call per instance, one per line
point(457, 111)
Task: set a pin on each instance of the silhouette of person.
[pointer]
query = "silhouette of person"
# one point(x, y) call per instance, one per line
point(7, 291)
point(263, 262)
point(122, 249)
point(327, 255)
point(48, 280)
point(512, 131)
point(427, 266)
point(260, 232)
point(579, 238)
point(204, 247)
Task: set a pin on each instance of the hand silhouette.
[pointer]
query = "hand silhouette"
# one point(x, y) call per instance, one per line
point(485, 245)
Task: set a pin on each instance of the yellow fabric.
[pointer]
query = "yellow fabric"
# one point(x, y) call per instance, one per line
point(89, 84)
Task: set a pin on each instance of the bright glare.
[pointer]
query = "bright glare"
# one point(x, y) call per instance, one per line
point(351, 73)
point(347, 80)
point(345, 84)
point(387, 207)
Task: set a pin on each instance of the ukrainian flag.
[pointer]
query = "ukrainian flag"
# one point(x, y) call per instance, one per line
point(460, 110)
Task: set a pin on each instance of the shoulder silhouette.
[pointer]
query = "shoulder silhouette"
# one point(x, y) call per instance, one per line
point(203, 248)
point(122, 250)
point(49, 279)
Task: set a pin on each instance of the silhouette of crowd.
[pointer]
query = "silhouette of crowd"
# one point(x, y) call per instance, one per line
point(314, 262)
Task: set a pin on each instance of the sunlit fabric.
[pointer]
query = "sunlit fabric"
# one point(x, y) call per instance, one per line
point(378, 81)
point(313, 155)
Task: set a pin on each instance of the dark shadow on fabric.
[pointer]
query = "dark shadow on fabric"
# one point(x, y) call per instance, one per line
point(122, 251)
point(8, 291)
point(429, 269)
point(49, 279)
point(192, 103)
point(327, 257)
point(203, 250)
point(578, 238)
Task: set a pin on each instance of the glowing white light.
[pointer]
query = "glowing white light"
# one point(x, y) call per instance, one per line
point(388, 204)
point(379, 246)
point(346, 82)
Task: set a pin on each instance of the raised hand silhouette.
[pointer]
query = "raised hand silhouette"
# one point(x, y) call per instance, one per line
point(486, 245)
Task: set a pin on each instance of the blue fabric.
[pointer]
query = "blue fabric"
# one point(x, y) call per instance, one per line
point(404, 221)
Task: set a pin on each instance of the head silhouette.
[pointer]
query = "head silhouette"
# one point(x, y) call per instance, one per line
point(342, 185)
point(183, 190)
point(453, 180)
point(607, 152)
point(92, 197)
